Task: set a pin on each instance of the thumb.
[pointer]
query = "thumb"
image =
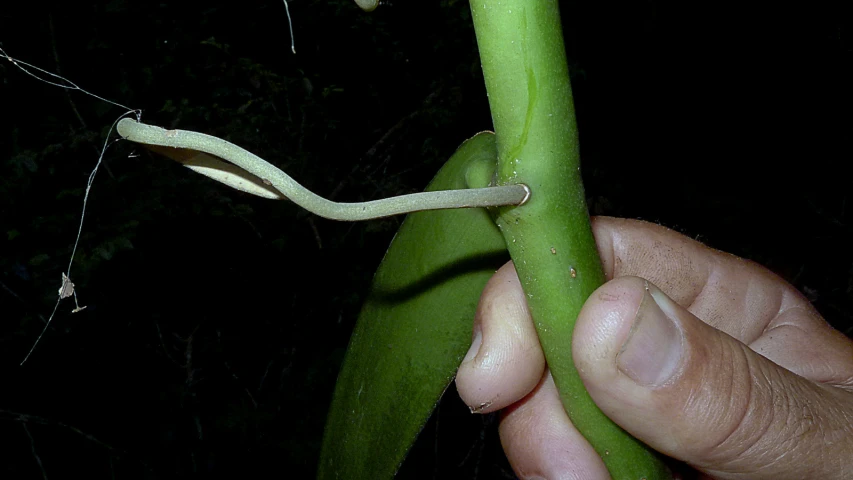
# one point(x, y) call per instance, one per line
point(696, 394)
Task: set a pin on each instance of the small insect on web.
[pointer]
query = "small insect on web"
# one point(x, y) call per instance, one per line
point(65, 291)
point(67, 288)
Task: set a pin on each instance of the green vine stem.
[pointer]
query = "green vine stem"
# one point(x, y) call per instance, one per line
point(549, 238)
point(252, 174)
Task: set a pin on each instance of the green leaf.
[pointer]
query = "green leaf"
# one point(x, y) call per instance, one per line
point(414, 328)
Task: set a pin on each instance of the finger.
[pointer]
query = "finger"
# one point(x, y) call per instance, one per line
point(734, 295)
point(505, 361)
point(540, 442)
point(699, 395)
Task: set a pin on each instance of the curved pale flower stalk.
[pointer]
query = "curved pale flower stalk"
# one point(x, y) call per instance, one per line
point(238, 168)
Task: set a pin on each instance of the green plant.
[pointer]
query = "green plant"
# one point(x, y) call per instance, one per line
point(414, 327)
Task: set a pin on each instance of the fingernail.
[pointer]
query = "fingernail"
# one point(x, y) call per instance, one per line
point(475, 345)
point(653, 350)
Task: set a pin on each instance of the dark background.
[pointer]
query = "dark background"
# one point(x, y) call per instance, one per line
point(216, 321)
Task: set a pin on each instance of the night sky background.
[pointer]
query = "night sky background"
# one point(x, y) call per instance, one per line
point(216, 321)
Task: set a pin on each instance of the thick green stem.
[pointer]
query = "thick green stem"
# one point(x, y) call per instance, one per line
point(549, 237)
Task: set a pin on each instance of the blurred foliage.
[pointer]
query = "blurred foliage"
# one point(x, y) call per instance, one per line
point(216, 321)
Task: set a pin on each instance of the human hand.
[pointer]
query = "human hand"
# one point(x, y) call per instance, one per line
point(728, 368)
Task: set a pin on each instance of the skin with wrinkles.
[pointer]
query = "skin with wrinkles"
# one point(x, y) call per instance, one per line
point(763, 390)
